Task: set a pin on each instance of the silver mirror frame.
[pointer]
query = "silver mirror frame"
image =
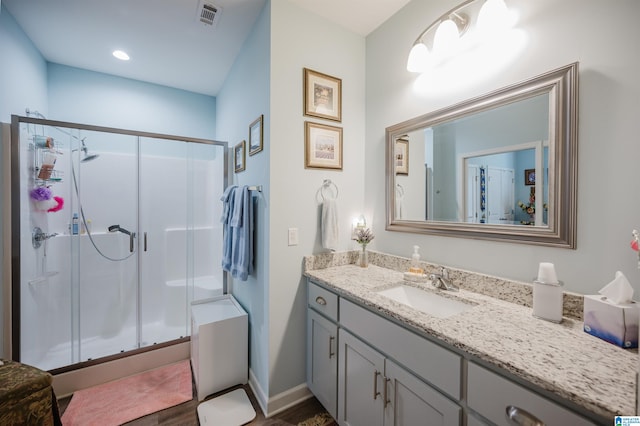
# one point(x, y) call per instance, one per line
point(562, 87)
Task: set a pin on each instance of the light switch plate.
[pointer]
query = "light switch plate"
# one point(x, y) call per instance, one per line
point(293, 236)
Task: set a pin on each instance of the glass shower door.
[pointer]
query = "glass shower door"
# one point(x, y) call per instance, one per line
point(180, 186)
point(105, 289)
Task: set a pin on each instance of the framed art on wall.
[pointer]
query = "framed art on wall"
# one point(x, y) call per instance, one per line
point(323, 146)
point(530, 177)
point(256, 135)
point(402, 156)
point(239, 157)
point(322, 95)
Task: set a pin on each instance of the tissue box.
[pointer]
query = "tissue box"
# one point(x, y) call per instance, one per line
point(615, 323)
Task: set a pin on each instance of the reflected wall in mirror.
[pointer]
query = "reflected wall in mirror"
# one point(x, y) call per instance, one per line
point(501, 166)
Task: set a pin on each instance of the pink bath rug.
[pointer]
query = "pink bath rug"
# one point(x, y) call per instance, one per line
point(127, 399)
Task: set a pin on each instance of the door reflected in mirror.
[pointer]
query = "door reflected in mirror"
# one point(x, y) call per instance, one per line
point(501, 166)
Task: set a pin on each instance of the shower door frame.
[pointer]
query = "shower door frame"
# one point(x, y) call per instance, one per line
point(16, 120)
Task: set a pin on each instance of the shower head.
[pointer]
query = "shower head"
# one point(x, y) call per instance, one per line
point(89, 157)
point(116, 228)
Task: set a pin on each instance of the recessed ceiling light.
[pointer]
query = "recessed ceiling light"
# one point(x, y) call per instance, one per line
point(121, 55)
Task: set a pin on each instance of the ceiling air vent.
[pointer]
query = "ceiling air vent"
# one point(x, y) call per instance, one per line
point(208, 13)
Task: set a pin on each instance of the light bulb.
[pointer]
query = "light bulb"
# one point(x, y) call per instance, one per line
point(447, 37)
point(418, 58)
point(493, 17)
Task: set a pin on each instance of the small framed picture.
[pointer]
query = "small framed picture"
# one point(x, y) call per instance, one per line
point(402, 156)
point(239, 157)
point(322, 95)
point(256, 136)
point(530, 177)
point(323, 146)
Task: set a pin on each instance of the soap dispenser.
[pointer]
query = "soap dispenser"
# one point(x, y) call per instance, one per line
point(415, 262)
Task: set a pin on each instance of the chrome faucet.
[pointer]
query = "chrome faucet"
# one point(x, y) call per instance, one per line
point(442, 280)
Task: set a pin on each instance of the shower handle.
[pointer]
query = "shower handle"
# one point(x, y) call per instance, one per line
point(132, 237)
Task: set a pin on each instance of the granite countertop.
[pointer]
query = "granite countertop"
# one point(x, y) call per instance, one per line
point(560, 358)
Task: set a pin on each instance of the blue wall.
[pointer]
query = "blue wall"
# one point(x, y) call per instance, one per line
point(23, 74)
point(89, 97)
point(243, 97)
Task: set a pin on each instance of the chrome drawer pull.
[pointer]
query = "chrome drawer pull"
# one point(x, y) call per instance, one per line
point(320, 301)
point(518, 416)
point(331, 339)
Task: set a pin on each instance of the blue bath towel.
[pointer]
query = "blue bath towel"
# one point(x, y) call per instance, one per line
point(228, 198)
point(238, 240)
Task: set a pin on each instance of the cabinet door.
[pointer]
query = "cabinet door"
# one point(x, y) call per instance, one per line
point(360, 383)
point(412, 402)
point(322, 360)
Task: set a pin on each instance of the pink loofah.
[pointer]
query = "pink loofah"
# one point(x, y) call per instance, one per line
point(58, 206)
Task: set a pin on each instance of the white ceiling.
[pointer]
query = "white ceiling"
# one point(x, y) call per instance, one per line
point(166, 42)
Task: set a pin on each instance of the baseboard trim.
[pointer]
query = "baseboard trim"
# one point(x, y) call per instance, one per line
point(280, 402)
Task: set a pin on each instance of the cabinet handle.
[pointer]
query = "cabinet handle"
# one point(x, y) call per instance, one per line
point(331, 339)
point(145, 241)
point(518, 416)
point(320, 301)
point(375, 384)
point(386, 399)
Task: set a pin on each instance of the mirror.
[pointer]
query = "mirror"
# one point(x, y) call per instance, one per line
point(502, 166)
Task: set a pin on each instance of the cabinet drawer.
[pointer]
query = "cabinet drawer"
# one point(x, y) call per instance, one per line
point(431, 362)
point(323, 301)
point(490, 394)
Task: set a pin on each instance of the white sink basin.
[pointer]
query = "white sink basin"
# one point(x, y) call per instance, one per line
point(425, 301)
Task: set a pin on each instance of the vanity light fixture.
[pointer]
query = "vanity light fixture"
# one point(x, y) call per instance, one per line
point(120, 54)
point(464, 26)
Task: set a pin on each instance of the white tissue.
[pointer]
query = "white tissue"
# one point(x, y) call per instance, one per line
point(547, 273)
point(619, 290)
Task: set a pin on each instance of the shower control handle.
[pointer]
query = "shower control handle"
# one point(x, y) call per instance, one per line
point(132, 237)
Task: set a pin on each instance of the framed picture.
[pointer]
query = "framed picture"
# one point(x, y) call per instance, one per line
point(239, 157)
point(402, 156)
point(322, 95)
point(530, 177)
point(322, 146)
point(256, 136)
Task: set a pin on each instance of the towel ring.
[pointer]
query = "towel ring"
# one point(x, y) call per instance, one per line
point(326, 184)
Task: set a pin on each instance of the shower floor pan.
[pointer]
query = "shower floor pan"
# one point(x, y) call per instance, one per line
point(97, 346)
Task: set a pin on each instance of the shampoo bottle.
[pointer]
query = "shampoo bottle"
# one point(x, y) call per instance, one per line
point(74, 224)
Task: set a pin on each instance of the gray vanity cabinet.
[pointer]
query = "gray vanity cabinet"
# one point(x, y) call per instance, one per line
point(374, 390)
point(361, 382)
point(322, 360)
point(322, 346)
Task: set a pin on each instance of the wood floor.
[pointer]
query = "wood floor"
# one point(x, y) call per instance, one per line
point(186, 415)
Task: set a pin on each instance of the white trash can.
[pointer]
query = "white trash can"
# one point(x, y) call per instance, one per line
point(219, 344)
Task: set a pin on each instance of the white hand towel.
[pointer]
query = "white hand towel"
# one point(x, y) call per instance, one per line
point(399, 206)
point(329, 224)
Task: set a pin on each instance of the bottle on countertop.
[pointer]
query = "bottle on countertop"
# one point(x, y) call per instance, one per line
point(415, 262)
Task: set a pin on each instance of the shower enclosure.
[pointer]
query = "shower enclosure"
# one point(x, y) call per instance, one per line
point(115, 232)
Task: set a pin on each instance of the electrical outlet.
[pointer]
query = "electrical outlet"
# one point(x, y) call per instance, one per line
point(293, 236)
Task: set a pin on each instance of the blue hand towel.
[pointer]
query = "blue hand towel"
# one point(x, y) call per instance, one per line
point(242, 226)
point(228, 199)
